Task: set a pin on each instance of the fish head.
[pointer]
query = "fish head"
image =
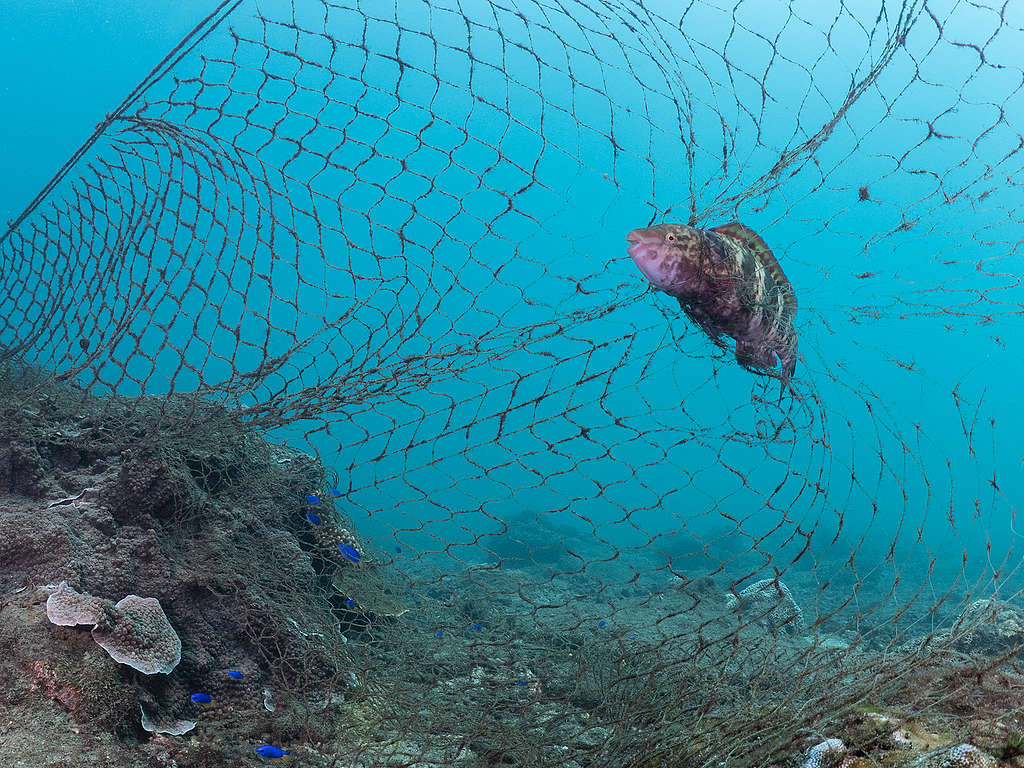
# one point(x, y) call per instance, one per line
point(662, 253)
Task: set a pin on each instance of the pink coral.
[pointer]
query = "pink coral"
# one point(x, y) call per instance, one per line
point(134, 631)
point(68, 608)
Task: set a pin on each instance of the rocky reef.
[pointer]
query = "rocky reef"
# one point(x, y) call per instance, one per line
point(153, 548)
point(179, 591)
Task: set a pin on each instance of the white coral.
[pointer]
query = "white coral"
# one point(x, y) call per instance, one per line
point(900, 740)
point(827, 754)
point(134, 631)
point(967, 756)
point(171, 726)
point(67, 608)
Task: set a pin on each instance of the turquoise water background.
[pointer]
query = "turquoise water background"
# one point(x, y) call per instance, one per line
point(660, 460)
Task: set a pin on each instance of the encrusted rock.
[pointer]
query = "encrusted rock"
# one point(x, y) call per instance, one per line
point(768, 600)
point(989, 628)
point(210, 520)
point(67, 667)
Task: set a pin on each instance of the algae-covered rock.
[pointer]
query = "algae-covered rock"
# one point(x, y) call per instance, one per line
point(199, 535)
point(41, 660)
point(874, 732)
point(988, 628)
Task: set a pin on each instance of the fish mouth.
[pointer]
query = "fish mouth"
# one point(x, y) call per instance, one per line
point(640, 241)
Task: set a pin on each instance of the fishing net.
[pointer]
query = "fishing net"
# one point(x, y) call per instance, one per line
point(390, 237)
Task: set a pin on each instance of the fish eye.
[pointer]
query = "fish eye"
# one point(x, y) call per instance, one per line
point(670, 237)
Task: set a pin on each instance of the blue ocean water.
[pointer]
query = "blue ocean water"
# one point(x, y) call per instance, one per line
point(65, 66)
point(464, 284)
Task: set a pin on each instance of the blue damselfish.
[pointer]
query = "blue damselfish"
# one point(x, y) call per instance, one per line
point(272, 752)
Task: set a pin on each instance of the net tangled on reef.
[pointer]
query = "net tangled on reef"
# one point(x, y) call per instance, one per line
point(392, 236)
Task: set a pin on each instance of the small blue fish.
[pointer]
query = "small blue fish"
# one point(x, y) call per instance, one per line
point(350, 552)
point(476, 626)
point(312, 499)
point(235, 674)
point(313, 517)
point(272, 752)
point(350, 602)
point(202, 698)
point(521, 682)
point(398, 549)
point(601, 623)
point(439, 634)
point(334, 492)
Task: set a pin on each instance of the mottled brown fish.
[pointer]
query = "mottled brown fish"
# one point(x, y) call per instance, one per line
point(728, 282)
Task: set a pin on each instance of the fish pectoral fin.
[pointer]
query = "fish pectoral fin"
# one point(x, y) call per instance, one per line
point(703, 320)
point(755, 356)
point(789, 367)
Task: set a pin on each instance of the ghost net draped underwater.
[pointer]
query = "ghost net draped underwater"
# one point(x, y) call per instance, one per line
point(326, 339)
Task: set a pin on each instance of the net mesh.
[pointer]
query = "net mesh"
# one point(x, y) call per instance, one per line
point(390, 236)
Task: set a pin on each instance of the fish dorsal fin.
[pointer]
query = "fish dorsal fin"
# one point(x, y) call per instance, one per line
point(753, 241)
point(743, 233)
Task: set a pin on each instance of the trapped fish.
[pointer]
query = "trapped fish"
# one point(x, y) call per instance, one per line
point(730, 284)
point(349, 552)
